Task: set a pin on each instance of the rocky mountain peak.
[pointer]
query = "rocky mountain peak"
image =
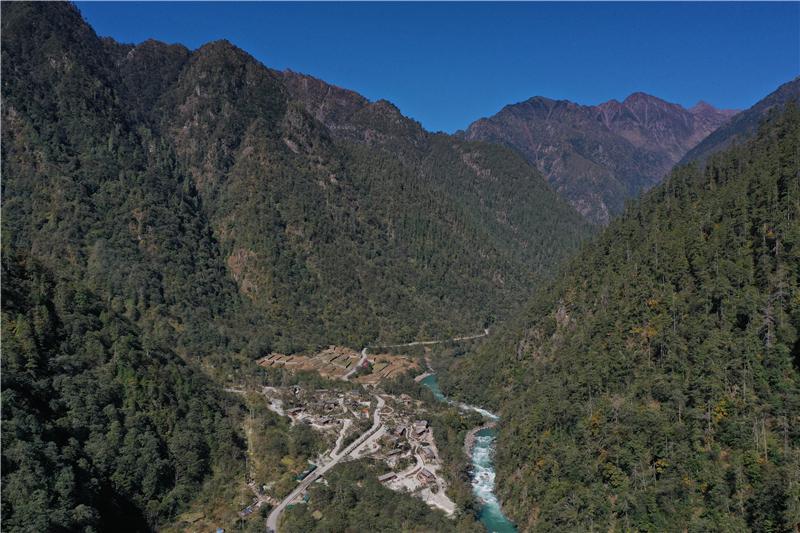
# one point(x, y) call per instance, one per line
point(597, 156)
point(639, 96)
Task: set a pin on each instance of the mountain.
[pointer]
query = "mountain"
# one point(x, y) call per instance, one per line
point(103, 428)
point(360, 226)
point(746, 123)
point(110, 278)
point(598, 156)
point(655, 386)
point(171, 214)
point(340, 223)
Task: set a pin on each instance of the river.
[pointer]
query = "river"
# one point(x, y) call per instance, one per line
point(483, 473)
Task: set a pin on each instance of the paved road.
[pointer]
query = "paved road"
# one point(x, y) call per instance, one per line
point(274, 515)
point(357, 365)
point(363, 358)
point(427, 343)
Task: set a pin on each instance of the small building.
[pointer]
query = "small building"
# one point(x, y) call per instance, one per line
point(420, 426)
point(425, 476)
point(428, 454)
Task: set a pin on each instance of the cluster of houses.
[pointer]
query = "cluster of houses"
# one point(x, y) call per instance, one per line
point(414, 437)
point(423, 476)
point(326, 409)
point(405, 442)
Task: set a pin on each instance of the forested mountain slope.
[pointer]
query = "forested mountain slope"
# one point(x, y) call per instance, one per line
point(91, 193)
point(492, 184)
point(386, 233)
point(170, 214)
point(656, 386)
point(109, 267)
point(596, 157)
point(745, 124)
point(170, 158)
point(103, 428)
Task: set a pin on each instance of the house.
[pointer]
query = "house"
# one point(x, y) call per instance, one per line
point(428, 454)
point(425, 476)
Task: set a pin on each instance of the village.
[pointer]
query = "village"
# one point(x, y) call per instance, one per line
point(355, 421)
point(360, 424)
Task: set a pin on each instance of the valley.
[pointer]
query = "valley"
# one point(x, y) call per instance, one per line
point(400, 437)
point(239, 297)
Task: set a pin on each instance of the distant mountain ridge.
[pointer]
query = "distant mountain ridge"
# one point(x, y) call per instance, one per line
point(598, 156)
point(746, 123)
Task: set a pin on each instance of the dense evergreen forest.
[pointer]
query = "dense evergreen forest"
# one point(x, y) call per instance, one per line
point(103, 428)
point(656, 385)
point(192, 186)
point(336, 238)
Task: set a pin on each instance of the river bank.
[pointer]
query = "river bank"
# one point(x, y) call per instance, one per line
point(469, 440)
point(483, 483)
point(479, 446)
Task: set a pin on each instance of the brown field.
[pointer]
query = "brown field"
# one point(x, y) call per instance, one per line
point(332, 363)
point(335, 361)
point(386, 366)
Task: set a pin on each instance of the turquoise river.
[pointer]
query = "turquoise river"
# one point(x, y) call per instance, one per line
point(483, 473)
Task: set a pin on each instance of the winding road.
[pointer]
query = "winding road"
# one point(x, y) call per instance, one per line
point(356, 366)
point(427, 343)
point(363, 358)
point(274, 515)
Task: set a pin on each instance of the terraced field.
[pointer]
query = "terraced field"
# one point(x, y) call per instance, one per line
point(335, 362)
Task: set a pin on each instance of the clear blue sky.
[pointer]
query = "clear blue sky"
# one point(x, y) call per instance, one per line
point(447, 64)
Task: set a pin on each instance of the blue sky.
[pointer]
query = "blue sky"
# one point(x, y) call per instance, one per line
point(447, 64)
